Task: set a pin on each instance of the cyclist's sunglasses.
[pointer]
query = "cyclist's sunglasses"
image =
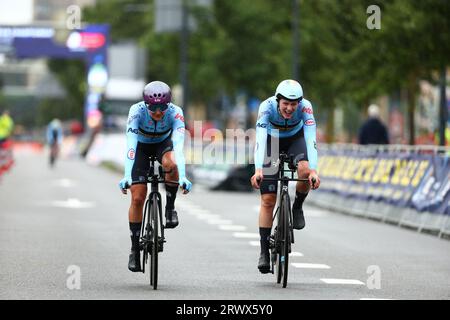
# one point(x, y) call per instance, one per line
point(154, 107)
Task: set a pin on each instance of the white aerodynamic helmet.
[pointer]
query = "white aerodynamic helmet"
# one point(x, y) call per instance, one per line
point(290, 90)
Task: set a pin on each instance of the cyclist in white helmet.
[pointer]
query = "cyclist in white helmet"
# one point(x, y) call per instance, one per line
point(286, 118)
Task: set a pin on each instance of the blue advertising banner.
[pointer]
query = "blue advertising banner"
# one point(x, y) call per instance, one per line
point(432, 194)
point(89, 44)
point(79, 44)
point(397, 179)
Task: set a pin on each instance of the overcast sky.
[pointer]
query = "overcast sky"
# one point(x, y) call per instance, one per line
point(16, 12)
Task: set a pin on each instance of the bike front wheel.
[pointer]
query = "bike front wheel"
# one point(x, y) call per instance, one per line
point(285, 239)
point(154, 216)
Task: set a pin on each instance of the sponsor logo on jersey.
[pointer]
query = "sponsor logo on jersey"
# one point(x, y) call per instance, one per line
point(262, 125)
point(131, 153)
point(179, 116)
point(132, 118)
point(262, 114)
point(135, 131)
point(181, 129)
point(310, 122)
point(307, 110)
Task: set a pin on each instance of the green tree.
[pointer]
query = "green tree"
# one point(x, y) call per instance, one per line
point(72, 76)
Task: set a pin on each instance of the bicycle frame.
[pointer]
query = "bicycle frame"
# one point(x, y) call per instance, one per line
point(152, 242)
point(280, 247)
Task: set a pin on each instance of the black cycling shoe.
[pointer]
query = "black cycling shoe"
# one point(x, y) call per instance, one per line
point(134, 262)
point(171, 218)
point(264, 262)
point(299, 219)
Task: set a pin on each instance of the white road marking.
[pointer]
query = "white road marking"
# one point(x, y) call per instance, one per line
point(219, 221)
point(72, 203)
point(188, 206)
point(296, 254)
point(254, 243)
point(232, 228)
point(65, 183)
point(311, 265)
point(247, 235)
point(315, 213)
point(342, 281)
point(207, 216)
point(198, 212)
point(308, 212)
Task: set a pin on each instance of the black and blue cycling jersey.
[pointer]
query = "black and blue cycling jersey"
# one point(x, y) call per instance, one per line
point(143, 128)
point(271, 122)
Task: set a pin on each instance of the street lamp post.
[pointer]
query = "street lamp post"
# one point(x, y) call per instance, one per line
point(295, 40)
point(184, 59)
point(443, 114)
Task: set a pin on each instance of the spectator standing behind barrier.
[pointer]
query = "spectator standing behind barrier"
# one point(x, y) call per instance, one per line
point(6, 126)
point(6, 129)
point(373, 131)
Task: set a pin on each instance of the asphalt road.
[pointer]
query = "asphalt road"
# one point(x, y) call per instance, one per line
point(64, 235)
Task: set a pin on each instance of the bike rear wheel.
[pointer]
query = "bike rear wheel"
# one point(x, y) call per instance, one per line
point(154, 215)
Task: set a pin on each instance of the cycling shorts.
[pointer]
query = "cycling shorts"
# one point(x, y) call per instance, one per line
point(142, 163)
point(294, 145)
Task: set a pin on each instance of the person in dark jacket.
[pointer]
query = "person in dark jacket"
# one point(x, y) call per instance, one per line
point(373, 131)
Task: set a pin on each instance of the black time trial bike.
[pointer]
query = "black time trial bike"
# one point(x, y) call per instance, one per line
point(152, 233)
point(282, 236)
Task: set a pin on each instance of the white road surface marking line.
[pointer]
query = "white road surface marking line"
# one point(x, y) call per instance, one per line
point(232, 228)
point(254, 243)
point(198, 211)
point(189, 206)
point(207, 216)
point(64, 183)
point(219, 221)
point(314, 213)
point(311, 265)
point(247, 235)
point(72, 203)
point(296, 254)
point(342, 281)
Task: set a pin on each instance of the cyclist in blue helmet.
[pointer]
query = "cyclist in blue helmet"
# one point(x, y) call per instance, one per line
point(155, 128)
point(285, 124)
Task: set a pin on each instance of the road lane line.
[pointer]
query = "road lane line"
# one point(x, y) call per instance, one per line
point(342, 281)
point(207, 216)
point(311, 265)
point(64, 183)
point(71, 203)
point(232, 228)
point(246, 235)
point(219, 221)
point(296, 254)
point(199, 212)
point(254, 243)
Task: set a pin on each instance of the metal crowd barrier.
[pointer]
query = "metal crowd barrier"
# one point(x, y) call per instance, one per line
point(407, 215)
point(6, 156)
